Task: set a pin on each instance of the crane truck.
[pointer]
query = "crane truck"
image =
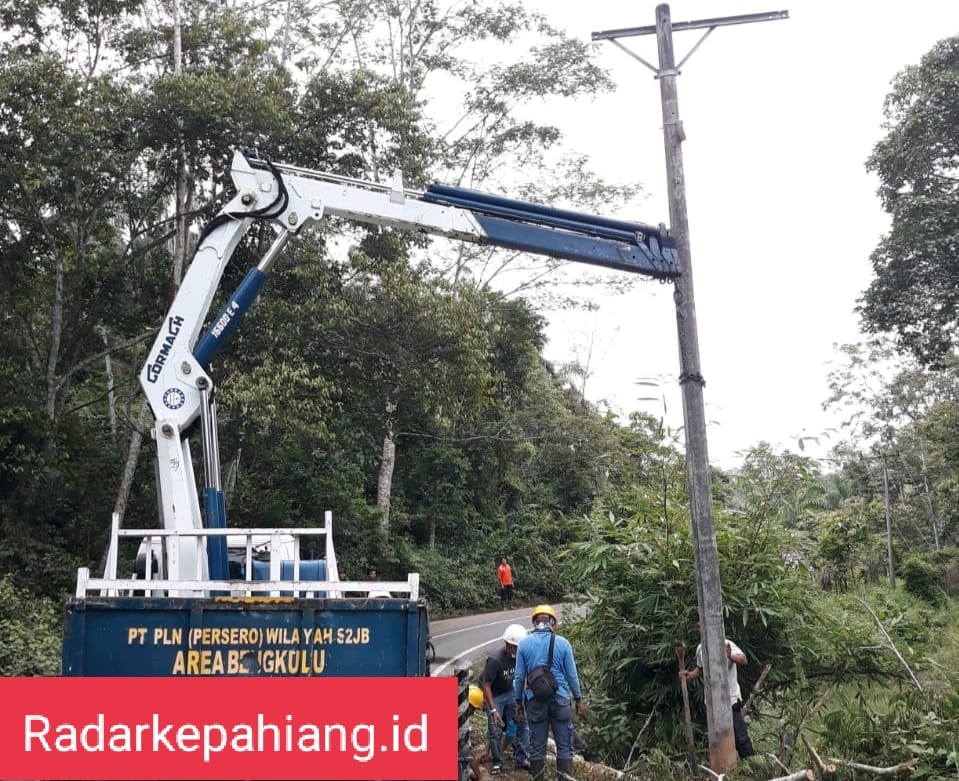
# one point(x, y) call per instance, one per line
point(209, 599)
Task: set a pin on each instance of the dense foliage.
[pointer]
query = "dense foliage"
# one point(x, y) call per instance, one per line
point(917, 261)
point(29, 632)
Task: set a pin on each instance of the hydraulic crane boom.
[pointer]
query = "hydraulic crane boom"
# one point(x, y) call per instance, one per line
point(176, 377)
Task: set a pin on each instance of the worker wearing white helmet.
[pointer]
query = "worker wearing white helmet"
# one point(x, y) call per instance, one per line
point(496, 680)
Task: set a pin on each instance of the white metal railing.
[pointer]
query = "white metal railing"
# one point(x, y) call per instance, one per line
point(297, 588)
point(277, 541)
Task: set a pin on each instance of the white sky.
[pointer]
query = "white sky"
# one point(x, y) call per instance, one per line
point(779, 118)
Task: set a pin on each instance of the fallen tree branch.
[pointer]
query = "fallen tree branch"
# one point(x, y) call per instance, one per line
point(639, 735)
point(757, 687)
point(903, 767)
point(799, 775)
point(819, 703)
point(892, 645)
point(775, 759)
point(788, 749)
point(594, 767)
point(826, 772)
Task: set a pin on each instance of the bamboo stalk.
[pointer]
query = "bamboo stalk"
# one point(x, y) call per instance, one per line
point(690, 743)
point(757, 687)
point(826, 772)
point(892, 645)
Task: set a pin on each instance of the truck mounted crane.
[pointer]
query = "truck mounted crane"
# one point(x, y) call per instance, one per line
point(183, 567)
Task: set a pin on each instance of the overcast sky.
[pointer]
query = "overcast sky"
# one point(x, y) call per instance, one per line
point(779, 118)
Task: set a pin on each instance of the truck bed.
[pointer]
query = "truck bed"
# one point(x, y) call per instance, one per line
point(287, 636)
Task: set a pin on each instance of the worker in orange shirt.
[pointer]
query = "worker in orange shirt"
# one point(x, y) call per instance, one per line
point(504, 574)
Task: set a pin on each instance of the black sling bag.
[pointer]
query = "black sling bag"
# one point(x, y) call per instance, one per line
point(540, 679)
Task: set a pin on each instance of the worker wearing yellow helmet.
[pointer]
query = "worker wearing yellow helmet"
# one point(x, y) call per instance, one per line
point(476, 697)
point(540, 651)
point(474, 702)
point(543, 612)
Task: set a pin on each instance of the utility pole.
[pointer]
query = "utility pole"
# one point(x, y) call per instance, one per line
point(722, 747)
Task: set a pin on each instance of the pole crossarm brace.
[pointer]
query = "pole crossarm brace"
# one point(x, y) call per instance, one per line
point(719, 21)
point(698, 24)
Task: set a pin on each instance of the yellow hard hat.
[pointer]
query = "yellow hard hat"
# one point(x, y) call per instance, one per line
point(544, 610)
point(476, 697)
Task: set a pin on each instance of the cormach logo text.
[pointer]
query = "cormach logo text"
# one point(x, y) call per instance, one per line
point(174, 324)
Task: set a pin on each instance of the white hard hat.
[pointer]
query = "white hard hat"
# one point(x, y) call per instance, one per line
point(514, 633)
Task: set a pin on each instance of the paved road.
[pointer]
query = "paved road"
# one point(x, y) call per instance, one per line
point(472, 638)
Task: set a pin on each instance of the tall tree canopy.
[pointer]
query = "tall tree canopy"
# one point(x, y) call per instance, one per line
point(915, 289)
point(364, 382)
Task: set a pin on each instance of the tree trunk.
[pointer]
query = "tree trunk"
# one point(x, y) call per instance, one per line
point(129, 469)
point(384, 483)
point(177, 40)
point(885, 500)
point(182, 195)
point(285, 51)
point(179, 253)
point(930, 507)
point(56, 336)
point(111, 385)
point(229, 484)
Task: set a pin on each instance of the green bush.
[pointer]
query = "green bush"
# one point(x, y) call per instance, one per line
point(921, 579)
point(883, 727)
point(450, 583)
point(637, 574)
point(30, 629)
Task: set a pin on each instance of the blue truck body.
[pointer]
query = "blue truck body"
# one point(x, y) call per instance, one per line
point(289, 636)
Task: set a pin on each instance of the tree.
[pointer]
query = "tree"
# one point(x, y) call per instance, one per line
point(893, 403)
point(915, 288)
point(67, 264)
point(633, 571)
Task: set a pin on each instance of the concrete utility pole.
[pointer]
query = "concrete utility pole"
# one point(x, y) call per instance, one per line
point(722, 747)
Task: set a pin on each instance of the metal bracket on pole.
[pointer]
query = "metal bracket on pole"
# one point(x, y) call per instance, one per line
point(689, 54)
point(635, 56)
point(709, 24)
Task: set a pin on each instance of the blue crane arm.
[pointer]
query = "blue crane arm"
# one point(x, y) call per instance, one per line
point(561, 233)
point(176, 377)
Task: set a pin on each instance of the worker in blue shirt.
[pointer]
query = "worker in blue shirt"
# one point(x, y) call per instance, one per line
point(555, 710)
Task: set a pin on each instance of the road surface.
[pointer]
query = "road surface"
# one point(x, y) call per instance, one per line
point(473, 638)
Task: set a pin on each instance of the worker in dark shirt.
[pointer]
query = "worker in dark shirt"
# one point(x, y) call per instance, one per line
point(496, 681)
